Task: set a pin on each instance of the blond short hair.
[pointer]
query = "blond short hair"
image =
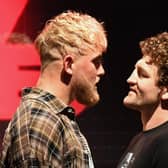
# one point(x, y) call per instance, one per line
point(70, 33)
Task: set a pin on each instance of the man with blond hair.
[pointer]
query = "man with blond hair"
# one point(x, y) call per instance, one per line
point(43, 131)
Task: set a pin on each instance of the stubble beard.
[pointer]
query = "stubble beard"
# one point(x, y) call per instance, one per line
point(87, 94)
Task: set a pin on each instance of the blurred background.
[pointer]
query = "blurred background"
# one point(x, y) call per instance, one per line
point(108, 126)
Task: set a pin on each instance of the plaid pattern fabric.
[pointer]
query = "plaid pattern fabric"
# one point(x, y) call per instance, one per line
point(44, 133)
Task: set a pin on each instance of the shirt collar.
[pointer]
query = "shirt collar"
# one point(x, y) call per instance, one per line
point(55, 103)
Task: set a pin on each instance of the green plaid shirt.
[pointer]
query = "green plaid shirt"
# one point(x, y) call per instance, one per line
point(44, 133)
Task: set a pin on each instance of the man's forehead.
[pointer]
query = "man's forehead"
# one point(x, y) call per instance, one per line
point(145, 59)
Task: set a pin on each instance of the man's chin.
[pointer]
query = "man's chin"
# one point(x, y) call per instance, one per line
point(127, 102)
point(130, 105)
point(93, 102)
point(90, 101)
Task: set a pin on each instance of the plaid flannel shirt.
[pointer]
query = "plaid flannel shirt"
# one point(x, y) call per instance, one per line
point(44, 133)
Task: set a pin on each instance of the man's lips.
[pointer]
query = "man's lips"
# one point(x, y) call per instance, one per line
point(132, 90)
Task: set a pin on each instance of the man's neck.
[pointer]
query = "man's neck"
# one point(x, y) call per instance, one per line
point(57, 88)
point(154, 119)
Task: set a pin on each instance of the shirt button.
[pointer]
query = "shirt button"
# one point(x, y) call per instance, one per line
point(70, 110)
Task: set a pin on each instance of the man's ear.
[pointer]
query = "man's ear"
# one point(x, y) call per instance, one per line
point(164, 93)
point(67, 64)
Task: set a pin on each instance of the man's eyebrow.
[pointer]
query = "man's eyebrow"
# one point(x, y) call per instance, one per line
point(99, 57)
point(141, 68)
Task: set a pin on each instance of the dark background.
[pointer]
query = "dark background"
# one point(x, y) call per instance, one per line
point(108, 126)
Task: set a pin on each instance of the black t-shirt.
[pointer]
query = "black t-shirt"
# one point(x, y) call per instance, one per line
point(149, 149)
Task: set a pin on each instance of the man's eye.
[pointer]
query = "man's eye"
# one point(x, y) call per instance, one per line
point(97, 62)
point(142, 74)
